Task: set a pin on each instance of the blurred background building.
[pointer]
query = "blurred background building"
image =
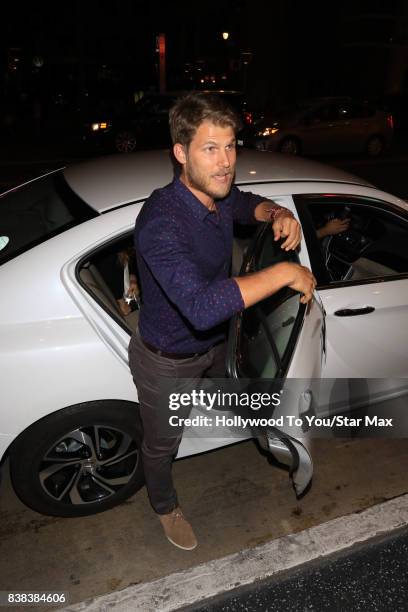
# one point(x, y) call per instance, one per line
point(71, 55)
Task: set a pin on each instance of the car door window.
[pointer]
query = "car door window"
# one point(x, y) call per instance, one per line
point(110, 276)
point(269, 327)
point(373, 246)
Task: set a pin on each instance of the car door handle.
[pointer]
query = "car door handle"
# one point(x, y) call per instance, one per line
point(354, 312)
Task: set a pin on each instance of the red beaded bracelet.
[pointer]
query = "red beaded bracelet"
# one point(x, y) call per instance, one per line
point(279, 210)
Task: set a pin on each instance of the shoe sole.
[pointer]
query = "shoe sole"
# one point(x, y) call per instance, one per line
point(182, 547)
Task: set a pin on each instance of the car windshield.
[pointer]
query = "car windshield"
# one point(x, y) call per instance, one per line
point(37, 211)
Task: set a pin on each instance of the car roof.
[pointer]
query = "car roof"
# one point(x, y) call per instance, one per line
point(112, 181)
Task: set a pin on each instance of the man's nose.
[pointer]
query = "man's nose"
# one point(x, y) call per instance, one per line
point(224, 159)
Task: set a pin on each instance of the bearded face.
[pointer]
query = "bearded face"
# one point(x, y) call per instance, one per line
point(209, 162)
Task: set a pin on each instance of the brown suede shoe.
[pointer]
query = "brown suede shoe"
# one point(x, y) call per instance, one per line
point(177, 530)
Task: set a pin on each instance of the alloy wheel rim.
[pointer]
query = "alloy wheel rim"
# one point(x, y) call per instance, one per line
point(126, 142)
point(88, 465)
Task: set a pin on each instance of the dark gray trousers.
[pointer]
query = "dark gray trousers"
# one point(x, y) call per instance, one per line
point(158, 452)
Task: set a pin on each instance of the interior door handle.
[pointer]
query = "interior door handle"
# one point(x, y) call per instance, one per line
point(354, 312)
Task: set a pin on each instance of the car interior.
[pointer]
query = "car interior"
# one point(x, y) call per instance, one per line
point(374, 245)
point(102, 275)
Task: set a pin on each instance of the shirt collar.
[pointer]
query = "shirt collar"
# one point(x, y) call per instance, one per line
point(197, 208)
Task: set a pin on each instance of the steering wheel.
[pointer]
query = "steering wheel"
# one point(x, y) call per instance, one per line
point(342, 250)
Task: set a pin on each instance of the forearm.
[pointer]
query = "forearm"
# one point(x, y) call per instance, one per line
point(260, 285)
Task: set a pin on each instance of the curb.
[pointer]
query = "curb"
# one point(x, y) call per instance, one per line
point(222, 575)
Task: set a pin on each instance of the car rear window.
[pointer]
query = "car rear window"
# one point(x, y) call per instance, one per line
point(36, 212)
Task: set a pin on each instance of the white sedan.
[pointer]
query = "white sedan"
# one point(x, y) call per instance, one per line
point(69, 421)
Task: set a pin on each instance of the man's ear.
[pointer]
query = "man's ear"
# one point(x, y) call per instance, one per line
point(179, 153)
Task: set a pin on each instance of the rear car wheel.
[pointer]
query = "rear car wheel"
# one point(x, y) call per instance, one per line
point(81, 460)
point(125, 141)
point(290, 146)
point(375, 146)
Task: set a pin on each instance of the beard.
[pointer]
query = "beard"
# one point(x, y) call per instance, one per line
point(207, 184)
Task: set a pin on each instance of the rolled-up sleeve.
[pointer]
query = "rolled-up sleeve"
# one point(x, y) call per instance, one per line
point(169, 256)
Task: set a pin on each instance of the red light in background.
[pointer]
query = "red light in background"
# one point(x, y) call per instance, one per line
point(162, 44)
point(390, 121)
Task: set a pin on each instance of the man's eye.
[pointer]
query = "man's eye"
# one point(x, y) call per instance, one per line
point(231, 147)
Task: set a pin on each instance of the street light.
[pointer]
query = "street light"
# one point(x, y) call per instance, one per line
point(225, 35)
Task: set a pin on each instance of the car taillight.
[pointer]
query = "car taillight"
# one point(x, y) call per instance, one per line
point(248, 117)
point(390, 121)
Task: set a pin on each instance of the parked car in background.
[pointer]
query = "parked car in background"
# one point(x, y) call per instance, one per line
point(69, 419)
point(322, 126)
point(124, 126)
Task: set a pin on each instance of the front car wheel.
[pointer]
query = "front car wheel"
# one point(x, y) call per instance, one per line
point(79, 461)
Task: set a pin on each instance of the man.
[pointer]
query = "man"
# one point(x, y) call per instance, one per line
point(183, 241)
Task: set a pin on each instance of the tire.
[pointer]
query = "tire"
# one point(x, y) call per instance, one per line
point(375, 146)
point(81, 460)
point(290, 146)
point(125, 141)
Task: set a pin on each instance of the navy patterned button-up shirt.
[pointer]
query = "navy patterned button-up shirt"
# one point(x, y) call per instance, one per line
point(184, 253)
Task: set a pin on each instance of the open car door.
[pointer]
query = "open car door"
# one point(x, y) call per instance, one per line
point(282, 342)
